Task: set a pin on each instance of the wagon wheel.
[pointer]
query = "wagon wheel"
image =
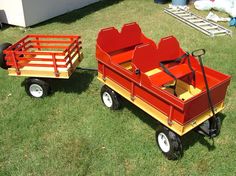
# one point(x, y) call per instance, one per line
point(37, 88)
point(204, 128)
point(110, 98)
point(217, 127)
point(2, 56)
point(169, 143)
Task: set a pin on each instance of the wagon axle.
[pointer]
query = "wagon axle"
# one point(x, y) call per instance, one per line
point(214, 122)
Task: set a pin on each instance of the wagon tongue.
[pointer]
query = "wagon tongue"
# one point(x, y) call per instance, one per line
point(211, 131)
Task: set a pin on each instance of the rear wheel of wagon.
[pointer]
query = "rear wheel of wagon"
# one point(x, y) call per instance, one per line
point(37, 88)
point(110, 98)
point(169, 143)
point(2, 56)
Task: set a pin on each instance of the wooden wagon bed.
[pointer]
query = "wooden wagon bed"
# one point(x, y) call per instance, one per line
point(131, 65)
point(44, 56)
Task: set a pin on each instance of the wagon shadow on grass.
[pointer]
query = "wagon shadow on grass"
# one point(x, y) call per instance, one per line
point(77, 83)
point(188, 140)
point(192, 137)
point(142, 115)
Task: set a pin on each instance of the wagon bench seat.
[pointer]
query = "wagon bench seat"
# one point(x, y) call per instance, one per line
point(162, 78)
point(122, 57)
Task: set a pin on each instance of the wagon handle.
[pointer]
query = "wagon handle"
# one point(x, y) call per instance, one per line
point(198, 52)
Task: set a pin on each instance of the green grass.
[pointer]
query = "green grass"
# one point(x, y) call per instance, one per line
point(72, 133)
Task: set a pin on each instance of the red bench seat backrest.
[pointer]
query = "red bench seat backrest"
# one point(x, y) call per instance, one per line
point(148, 56)
point(168, 49)
point(145, 57)
point(111, 40)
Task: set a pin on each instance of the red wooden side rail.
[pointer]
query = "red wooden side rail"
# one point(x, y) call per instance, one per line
point(132, 63)
point(56, 51)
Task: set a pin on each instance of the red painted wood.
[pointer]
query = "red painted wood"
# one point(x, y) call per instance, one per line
point(49, 47)
point(142, 52)
point(122, 57)
point(115, 47)
point(168, 49)
point(178, 71)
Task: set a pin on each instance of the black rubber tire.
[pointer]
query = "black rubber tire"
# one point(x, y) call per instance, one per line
point(218, 126)
point(175, 149)
point(40, 84)
point(113, 96)
point(2, 56)
point(204, 128)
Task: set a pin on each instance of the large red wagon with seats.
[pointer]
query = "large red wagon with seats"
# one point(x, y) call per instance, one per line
point(163, 80)
point(41, 57)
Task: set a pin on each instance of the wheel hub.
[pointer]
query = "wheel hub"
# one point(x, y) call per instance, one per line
point(107, 99)
point(163, 142)
point(36, 90)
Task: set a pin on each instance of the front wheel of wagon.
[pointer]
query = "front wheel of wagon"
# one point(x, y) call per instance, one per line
point(2, 56)
point(110, 98)
point(204, 128)
point(217, 127)
point(37, 88)
point(169, 143)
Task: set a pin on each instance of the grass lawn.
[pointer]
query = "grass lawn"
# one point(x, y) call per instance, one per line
point(72, 133)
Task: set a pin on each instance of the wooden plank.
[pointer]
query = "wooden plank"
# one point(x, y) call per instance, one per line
point(152, 72)
point(47, 72)
point(158, 115)
point(40, 74)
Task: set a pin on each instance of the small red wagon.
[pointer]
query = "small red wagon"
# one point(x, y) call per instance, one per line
point(163, 80)
point(40, 57)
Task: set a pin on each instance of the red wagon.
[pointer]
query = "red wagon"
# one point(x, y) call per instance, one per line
point(40, 57)
point(163, 80)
